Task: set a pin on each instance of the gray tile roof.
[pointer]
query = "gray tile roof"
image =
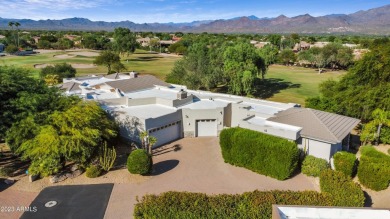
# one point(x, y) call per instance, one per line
point(319, 125)
point(139, 83)
point(69, 86)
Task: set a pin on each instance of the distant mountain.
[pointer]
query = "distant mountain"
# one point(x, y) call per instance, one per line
point(373, 21)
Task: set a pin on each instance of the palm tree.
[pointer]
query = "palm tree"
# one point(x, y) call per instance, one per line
point(17, 24)
point(380, 118)
point(11, 24)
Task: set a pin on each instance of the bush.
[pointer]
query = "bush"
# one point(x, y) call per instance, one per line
point(7, 171)
point(343, 191)
point(313, 166)
point(261, 153)
point(257, 204)
point(92, 171)
point(385, 135)
point(345, 162)
point(374, 169)
point(139, 162)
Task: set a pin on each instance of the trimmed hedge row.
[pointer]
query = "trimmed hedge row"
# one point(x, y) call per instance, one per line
point(345, 162)
point(261, 153)
point(374, 169)
point(257, 204)
point(312, 166)
point(341, 189)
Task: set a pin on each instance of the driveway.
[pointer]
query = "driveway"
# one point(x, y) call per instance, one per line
point(196, 165)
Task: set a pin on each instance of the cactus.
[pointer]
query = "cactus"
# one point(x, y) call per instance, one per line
point(107, 157)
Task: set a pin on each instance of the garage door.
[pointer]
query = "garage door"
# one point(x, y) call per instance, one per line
point(166, 134)
point(206, 127)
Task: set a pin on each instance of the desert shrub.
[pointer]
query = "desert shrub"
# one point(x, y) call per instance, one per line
point(261, 153)
point(345, 162)
point(312, 166)
point(92, 171)
point(139, 162)
point(374, 169)
point(7, 171)
point(343, 191)
point(107, 157)
point(256, 204)
point(385, 135)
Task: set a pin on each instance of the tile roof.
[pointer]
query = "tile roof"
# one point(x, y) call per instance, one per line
point(328, 127)
point(139, 83)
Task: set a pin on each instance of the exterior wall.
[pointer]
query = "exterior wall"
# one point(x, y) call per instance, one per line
point(140, 102)
point(191, 115)
point(164, 102)
point(116, 101)
point(130, 127)
point(335, 148)
point(290, 135)
point(227, 116)
point(178, 102)
point(239, 113)
point(315, 148)
point(163, 120)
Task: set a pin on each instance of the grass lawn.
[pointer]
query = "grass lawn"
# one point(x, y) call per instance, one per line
point(295, 84)
point(141, 61)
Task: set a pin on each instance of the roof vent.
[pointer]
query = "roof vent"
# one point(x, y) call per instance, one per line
point(133, 74)
point(181, 94)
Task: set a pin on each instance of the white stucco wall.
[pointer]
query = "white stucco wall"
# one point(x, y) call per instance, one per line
point(191, 115)
point(316, 148)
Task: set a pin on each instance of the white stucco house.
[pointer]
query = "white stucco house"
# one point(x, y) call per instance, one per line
point(170, 112)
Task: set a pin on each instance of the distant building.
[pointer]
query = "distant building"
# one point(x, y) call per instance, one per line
point(2, 36)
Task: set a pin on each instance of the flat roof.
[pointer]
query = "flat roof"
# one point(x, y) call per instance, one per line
point(263, 108)
point(307, 212)
point(259, 121)
point(142, 112)
point(205, 104)
point(170, 94)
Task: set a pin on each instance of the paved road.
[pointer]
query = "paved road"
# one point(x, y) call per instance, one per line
point(197, 167)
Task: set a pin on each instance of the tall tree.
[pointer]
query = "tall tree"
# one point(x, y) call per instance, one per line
point(17, 24)
point(107, 58)
point(124, 41)
point(372, 130)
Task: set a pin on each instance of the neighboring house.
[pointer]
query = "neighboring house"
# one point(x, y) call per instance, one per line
point(170, 112)
point(2, 47)
point(144, 41)
point(301, 46)
point(315, 212)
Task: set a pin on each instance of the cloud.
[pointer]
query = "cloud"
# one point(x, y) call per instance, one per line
point(52, 5)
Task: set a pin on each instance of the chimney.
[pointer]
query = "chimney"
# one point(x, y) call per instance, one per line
point(182, 94)
point(133, 74)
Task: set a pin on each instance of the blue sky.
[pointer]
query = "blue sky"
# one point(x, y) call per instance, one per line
point(148, 11)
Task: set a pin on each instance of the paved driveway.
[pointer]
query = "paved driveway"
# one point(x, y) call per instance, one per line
point(196, 165)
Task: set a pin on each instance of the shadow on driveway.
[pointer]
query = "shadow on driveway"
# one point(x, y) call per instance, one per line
point(163, 167)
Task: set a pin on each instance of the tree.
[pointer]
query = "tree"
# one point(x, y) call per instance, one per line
point(124, 41)
point(147, 141)
point(17, 24)
point(71, 135)
point(12, 24)
point(107, 58)
point(118, 67)
point(11, 49)
point(62, 71)
point(287, 56)
point(269, 55)
point(372, 130)
point(51, 80)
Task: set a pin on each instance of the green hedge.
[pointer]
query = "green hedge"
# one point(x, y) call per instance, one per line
point(139, 162)
point(374, 169)
point(341, 189)
point(262, 153)
point(345, 162)
point(257, 204)
point(385, 135)
point(312, 166)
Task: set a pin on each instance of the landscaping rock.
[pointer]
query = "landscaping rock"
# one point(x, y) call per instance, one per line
point(57, 178)
point(32, 178)
point(74, 174)
point(74, 167)
point(9, 181)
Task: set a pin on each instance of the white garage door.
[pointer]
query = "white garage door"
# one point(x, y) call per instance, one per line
point(166, 134)
point(206, 127)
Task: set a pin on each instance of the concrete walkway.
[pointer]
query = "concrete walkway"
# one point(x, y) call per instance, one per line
point(197, 167)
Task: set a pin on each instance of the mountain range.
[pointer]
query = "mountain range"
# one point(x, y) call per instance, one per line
point(373, 21)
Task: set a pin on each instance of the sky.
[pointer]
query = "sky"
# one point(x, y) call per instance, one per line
point(164, 11)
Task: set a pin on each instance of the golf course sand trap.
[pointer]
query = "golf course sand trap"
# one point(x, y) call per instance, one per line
point(74, 65)
point(84, 53)
point(64, 56)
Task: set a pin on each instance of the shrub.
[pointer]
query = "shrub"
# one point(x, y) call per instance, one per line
point(261, 153)
point(92, 171)
point(7, 171)
point(345, 162)
point(343, 191)
point(374, 169)
point(139, 162)
point(256, 204)
point(385, 135)
point(312, 166)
